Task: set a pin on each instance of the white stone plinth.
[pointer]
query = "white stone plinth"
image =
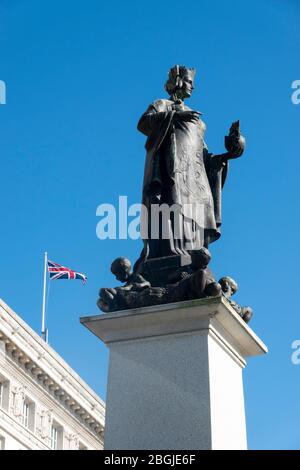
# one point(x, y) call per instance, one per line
point(175, 375)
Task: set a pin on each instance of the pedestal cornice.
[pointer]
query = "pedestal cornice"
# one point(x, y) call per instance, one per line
point(214, 314)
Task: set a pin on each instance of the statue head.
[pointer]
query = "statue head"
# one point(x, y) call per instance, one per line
point(180, 83)
point(121, 268)
point(228, 285)
point(200, 258)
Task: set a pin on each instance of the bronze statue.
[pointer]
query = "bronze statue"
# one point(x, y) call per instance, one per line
point(181, 200)
point(180, 171)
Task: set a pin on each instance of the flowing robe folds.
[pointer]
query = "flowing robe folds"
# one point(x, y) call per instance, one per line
point(179, 171)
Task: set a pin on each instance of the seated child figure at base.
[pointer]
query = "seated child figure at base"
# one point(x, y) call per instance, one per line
point(229, 288)
point(202, 281)
point(121, 268)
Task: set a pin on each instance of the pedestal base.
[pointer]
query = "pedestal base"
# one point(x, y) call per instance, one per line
point(175, 375)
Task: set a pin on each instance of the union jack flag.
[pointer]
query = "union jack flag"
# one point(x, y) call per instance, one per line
point(56, 271)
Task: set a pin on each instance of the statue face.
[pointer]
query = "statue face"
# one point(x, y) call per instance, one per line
point(229, 286)
point(122, 273)
point(226, 287)
point(121, 267)
point(187, 86)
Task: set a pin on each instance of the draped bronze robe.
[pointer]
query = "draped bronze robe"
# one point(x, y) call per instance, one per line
point(179, 170)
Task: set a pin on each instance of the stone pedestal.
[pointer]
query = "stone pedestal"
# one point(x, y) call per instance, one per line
point(175, 375)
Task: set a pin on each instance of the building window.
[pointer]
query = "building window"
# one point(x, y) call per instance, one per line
point(4, 393)
point(28, 414)
point(25, 414)
point(56, 436)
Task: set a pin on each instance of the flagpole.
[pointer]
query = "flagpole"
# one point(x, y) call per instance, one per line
point(44, 332)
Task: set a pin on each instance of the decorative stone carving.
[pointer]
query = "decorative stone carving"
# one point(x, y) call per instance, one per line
point(18, 400)
point(46, 422)
point(74, 441)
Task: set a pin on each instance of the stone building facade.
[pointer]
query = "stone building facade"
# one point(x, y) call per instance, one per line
point(44, 404)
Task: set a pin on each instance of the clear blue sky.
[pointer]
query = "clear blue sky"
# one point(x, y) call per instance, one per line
point(79, 75)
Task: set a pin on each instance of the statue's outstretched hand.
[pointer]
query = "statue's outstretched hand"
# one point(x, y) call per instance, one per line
point(189, 116)
point(235, 142)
